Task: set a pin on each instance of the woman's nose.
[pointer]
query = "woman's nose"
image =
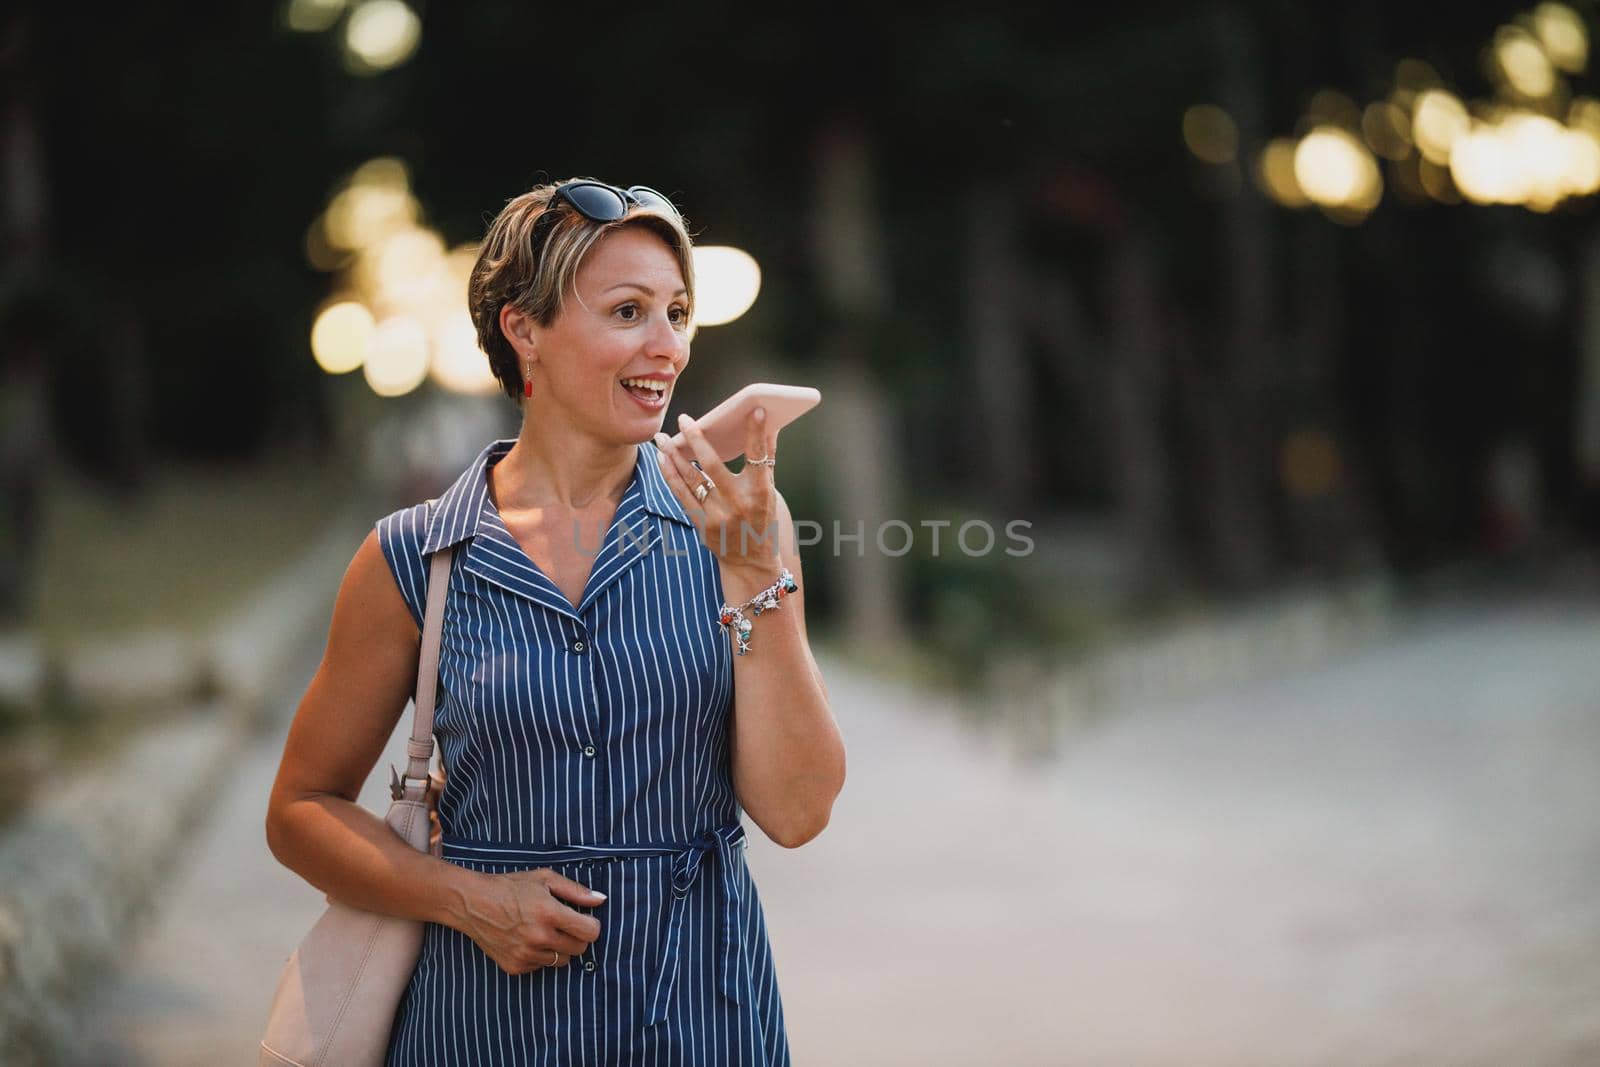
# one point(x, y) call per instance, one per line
point(664, 338)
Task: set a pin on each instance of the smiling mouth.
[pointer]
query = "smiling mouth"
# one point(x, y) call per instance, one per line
point(652, 394)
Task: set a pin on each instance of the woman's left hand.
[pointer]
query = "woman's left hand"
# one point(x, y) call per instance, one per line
point(736, 516)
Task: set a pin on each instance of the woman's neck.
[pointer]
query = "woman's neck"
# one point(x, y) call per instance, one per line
point(571, 473)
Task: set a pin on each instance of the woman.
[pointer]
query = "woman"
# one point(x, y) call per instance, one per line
point(599, 732)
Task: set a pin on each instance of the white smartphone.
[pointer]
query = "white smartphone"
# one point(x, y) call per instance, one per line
point(725, 425)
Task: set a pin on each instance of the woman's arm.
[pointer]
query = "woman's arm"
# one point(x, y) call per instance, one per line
point(316, 828)
point(788, 756)
point(314, 825)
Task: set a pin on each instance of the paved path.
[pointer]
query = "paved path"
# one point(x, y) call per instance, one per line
point(1390, 860)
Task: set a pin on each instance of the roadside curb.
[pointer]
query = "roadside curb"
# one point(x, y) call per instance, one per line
point(82, 864)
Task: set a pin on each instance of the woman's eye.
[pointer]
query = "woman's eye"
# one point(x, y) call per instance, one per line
point(677, 315)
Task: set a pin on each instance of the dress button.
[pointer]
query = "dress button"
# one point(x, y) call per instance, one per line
point(588, 965)
point(588, 750)
point(577, 646)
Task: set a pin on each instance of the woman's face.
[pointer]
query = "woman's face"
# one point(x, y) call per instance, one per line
point(629, 320)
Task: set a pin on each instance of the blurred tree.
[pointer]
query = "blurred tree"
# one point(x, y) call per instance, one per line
point(1137, 334)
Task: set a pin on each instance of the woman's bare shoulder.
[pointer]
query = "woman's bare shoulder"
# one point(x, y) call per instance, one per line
point(366, 676)
point(370, 595)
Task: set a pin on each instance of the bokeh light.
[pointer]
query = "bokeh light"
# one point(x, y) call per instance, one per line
point(1210, 133)
point(1413, 76)
point(1436, 181)
point(402, 270)
point(1521, 61)
point(394, 270)
point(380, 35)
point(1438, 119)
point(1335, 170)
point(397, 360)
point(1479, 167)
point(1562, 33)
point(1387, 129)
point(397, 273)
point(361, 215)
point(312, 16)
point(727, 281)
point(1274, 173)
point(458, 364)
point(1526, 158)
point(320, 252)
point(340, 336)
point(1405, 179)
point(1329, 107)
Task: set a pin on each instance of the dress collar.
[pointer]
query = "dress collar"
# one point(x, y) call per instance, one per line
point(462, 507)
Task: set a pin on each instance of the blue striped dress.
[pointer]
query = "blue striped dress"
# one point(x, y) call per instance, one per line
point(593, 740)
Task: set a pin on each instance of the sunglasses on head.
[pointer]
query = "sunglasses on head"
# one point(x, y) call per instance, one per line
point(599, 202)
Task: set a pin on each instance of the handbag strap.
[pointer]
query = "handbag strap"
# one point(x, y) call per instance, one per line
point(420, 748)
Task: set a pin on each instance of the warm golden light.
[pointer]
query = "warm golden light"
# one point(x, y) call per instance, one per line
point(458, 270)
point(1479, 168)
point(458, 364)
point(1584, 162)
point(1404, 179)
point(727, 281)
point(1584, 113)
point(320, 252)
point(340, 336)
point(1541, 157)
point(1275, 173)
point(1526, 158)
point(1387, 130)
point(1438, 119)
point(1336, 170)
point(1413, 76)
point(1564, 36)
point(386, 172)
point(1436, 182)
point(312, 16)
point(403, 277)
point(361, 215)
point(397, 360)
point(1210, 133)
point(380, 35)
point(1329, 107)
point(1523, 63)
point(401, 271)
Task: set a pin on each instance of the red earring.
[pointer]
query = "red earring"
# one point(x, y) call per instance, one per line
point(527, 382)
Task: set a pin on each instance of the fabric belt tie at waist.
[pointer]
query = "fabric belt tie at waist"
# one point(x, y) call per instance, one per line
point(688, 859)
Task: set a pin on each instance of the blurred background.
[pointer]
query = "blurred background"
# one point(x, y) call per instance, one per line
point(1214, 389)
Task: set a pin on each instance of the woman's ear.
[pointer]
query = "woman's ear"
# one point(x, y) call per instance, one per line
point(518, 329)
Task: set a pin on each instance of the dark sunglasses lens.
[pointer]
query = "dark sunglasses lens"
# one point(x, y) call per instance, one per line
point(650, 198)
point(596, 202)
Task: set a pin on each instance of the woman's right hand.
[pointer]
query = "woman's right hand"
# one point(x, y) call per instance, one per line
point(517, 918)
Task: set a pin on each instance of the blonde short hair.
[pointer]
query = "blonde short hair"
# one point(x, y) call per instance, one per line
point(509, 270)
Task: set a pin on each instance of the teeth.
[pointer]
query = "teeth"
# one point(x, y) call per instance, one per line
point(646, 383)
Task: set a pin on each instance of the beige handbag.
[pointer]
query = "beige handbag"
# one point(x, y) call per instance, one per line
point(337, 997)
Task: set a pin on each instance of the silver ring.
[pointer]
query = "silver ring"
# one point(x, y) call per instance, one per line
point(700, 492)
point(555, 958)
point(764, 461)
